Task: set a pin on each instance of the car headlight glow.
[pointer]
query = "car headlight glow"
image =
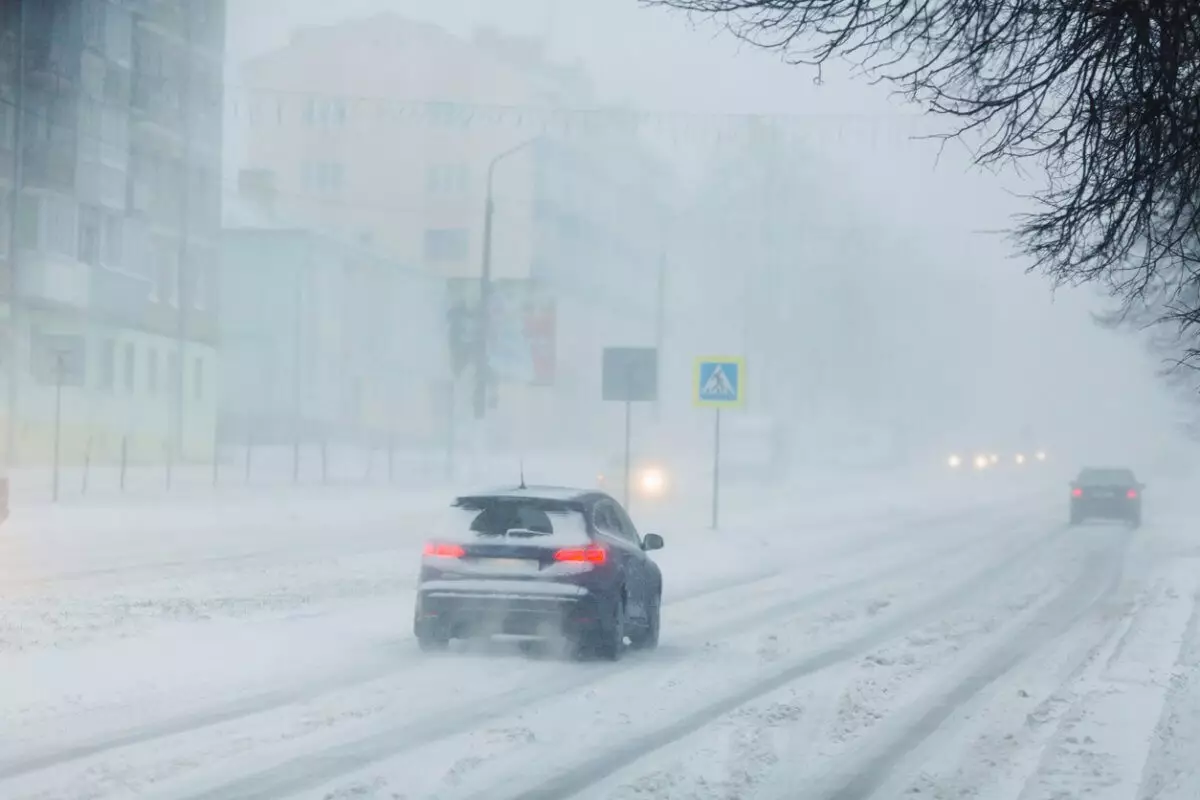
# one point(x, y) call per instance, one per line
point(954, 462)
point(1041, 455)
point(994, 459)
point(653, 481)
point(981, 462)
point(1020, 458)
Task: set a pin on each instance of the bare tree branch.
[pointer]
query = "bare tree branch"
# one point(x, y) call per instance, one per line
point(1103, 95)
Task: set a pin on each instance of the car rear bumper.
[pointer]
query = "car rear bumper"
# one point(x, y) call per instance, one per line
point(452, 610)
point(1106, 510)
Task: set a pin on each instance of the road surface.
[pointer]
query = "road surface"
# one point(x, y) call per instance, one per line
point(976, 649)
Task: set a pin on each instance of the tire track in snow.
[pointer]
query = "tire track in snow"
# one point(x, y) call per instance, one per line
point(585, 775)
point(299, 773)
point(270, 701)
point(1099, 579)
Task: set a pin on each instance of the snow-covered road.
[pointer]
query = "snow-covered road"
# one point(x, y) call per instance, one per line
point(970, 647)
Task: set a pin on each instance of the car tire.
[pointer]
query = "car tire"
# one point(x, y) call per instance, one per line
point(432, 644)
point(647, 638)
point(610, 643)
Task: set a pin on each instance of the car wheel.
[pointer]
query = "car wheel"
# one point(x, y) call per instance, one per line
point(611, 641)
point(647, 638)
point(432, 644)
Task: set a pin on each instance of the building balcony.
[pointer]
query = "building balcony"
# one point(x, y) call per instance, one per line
point(157, 105)
point(168, 18)
point(49, 166)
point(49, 67)
point(118, 295)
point(55, 280)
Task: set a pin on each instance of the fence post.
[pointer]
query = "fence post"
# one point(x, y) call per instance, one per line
point(87, 466)
point(296, 459)
point(249, 452)
point(124, 459)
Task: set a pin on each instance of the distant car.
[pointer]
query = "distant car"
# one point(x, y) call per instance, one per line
point(1106, 493)
point(991, 460)
point(540, 563)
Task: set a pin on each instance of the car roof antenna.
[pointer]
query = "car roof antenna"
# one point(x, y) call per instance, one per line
point(522, 467)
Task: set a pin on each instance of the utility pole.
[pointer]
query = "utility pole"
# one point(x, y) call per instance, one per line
point(15, 302)
point(660, 312)
point(60, 368)
point(482, 375)
point(183, 273)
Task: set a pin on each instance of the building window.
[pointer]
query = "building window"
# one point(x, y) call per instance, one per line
point(114, 241)
point(8, 127)
point(446, 245)
point(89, 234)
point(130, 367)
point(62, 226)
point(337, 113)
point(166, 272)
point(446, 180)
point(108, 365)
point(152, 371)
point(198, 378)
point(322, 176)
point(29, 223)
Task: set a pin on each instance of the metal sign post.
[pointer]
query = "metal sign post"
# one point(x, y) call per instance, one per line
point(629, 375)
point(719, 383)
point(60, 368)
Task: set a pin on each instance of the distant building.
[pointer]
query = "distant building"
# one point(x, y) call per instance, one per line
point(322, 339)
point(383, 131)
point(117, 227)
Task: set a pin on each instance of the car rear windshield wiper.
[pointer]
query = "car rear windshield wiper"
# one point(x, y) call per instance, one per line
point(520, 533)
point(526, 532)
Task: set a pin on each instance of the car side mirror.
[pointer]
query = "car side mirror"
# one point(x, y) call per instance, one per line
point(652, 541)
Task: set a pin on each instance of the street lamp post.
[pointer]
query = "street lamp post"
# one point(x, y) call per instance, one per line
point(485, 281)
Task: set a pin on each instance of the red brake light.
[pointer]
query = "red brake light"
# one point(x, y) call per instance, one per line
point(1131, 494)
point(444, 550)
point(592, 554)
point(1077, 492)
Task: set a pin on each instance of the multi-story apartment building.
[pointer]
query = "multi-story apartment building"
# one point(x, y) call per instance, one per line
point(108, 286)
point(385, 130)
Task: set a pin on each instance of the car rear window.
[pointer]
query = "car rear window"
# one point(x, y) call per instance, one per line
point(1106, 477)
point(515, 519)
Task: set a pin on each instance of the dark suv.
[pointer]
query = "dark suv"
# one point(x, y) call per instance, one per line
point(1106, 493)
point(540, 563)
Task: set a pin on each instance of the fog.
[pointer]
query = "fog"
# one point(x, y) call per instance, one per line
point(861, 270)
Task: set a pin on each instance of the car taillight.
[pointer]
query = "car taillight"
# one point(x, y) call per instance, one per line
point(1131, 494)
point(592, 554)
point(1077, 492)
point(444, 550)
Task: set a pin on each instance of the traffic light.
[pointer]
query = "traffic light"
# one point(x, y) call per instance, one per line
point(458, 329)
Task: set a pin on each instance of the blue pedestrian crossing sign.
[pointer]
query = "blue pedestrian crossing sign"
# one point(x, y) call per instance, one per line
point(720, 381)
